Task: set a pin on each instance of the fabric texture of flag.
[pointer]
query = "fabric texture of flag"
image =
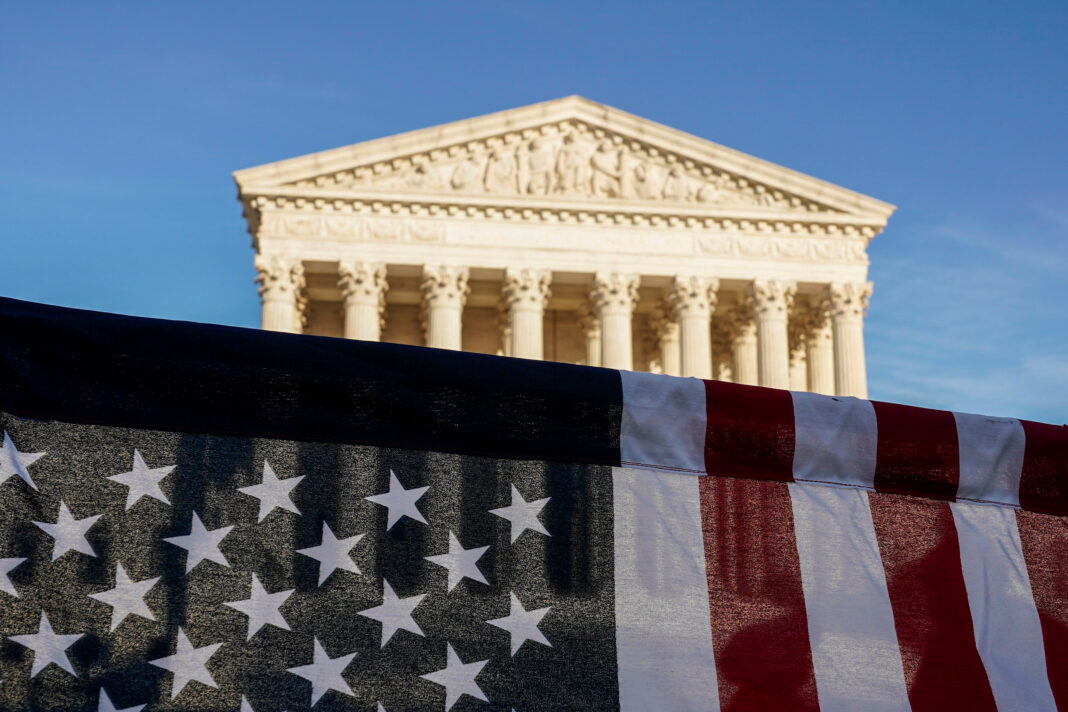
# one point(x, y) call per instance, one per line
point(198, 517)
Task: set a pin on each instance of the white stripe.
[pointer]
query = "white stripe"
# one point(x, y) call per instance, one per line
point(1008, 633)
point(991, 458)
point(834, 439)
point(663, 625)
point(855, 652)
point(664, 422)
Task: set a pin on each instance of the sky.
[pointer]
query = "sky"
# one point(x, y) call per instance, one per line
point(121, 124)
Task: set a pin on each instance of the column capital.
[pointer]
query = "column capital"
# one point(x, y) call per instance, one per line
point(772, 297)
point(690, 293)
point(363, 282)
point(279, 276)
point(849, 299)
point(664, 318)
point(614, 291)
point(587, 319)
point(526, 288)
point(445, 285)
point(738, 319)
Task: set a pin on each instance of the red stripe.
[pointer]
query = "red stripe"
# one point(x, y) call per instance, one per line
point(1044, 481)
point(921, 556)
point(917, 451)
point(759, 626)
point(1045, 548)
point(750, 432)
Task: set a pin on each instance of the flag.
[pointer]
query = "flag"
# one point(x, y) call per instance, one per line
point(198, 517)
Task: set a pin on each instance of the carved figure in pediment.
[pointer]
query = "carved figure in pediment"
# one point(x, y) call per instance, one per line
point(572, 166)
point(676, 185)
point(467, 174)
point(424, 177)
point(539, 167)
point(605, 163)
point(500, 172)
point(648, 177)
point(714, 191)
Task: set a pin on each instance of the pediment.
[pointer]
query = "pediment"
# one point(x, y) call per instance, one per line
point(570, 150)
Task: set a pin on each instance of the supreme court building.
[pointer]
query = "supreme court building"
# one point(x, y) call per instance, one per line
point(571, 231)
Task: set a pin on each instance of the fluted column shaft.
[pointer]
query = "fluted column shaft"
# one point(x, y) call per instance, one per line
point(744, 345)
point(280, 280)
point(666, 325)
point(526, 294)
point(591, 327)
point(694, 299)
point(771, 300)
point(363, 291)
point(819, 349)
point(614, 297)
point(849, 302)
point(444, 295)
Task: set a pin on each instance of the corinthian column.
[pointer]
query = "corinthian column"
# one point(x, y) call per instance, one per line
point(694, 299)
point(526, 294)
point(796, 330)
point(849, 302)
point(363, 289)
point(744, 344)
point(444, 295)
point(614, 296)
point(665, 324)
point(819, 347)
point(771, 300)
point(591, 327)
point(281, 281)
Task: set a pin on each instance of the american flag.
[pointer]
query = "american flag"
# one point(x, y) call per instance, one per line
point(206, 518)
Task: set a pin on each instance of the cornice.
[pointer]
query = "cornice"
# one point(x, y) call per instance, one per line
point(314, 201)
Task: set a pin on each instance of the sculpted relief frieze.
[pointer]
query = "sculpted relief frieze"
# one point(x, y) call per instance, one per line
point(569, 160)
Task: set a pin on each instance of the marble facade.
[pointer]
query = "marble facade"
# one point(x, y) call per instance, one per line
point(574, 232)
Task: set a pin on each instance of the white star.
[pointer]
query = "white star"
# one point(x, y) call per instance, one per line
point(394, 613)
point(143, 481)
point(333, 554)
point(5, 582)
point(324, 673)
point(245, 705)
point(48, 647)
point(262, 607)
point(399, 501)
point(522, 514)
point(273, 492)
point(522, 624)
point(201, 543)
point(104, 704)
point(127, 598)
point(188, 664)
point(458, 678)
point(462, 563)
point(69, 533)
point(13, 462)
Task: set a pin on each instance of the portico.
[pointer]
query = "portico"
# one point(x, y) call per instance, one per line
point(573, 232)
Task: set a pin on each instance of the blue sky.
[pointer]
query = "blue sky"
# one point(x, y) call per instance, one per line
point(121, 124)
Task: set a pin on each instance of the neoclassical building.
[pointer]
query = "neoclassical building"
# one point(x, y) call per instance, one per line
point(576, 232)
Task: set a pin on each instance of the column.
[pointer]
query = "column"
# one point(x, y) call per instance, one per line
point(614, 297)
point(526, 294)
point(665, 324)
point(591, 327)
point(849, 302)
point(771, 300)
point(722, 342)
point(363, 291)
point(744, 344)
point(694, 299)
point(819, 347)
point(796, 336)
point(281, 281)
point(444, 295)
